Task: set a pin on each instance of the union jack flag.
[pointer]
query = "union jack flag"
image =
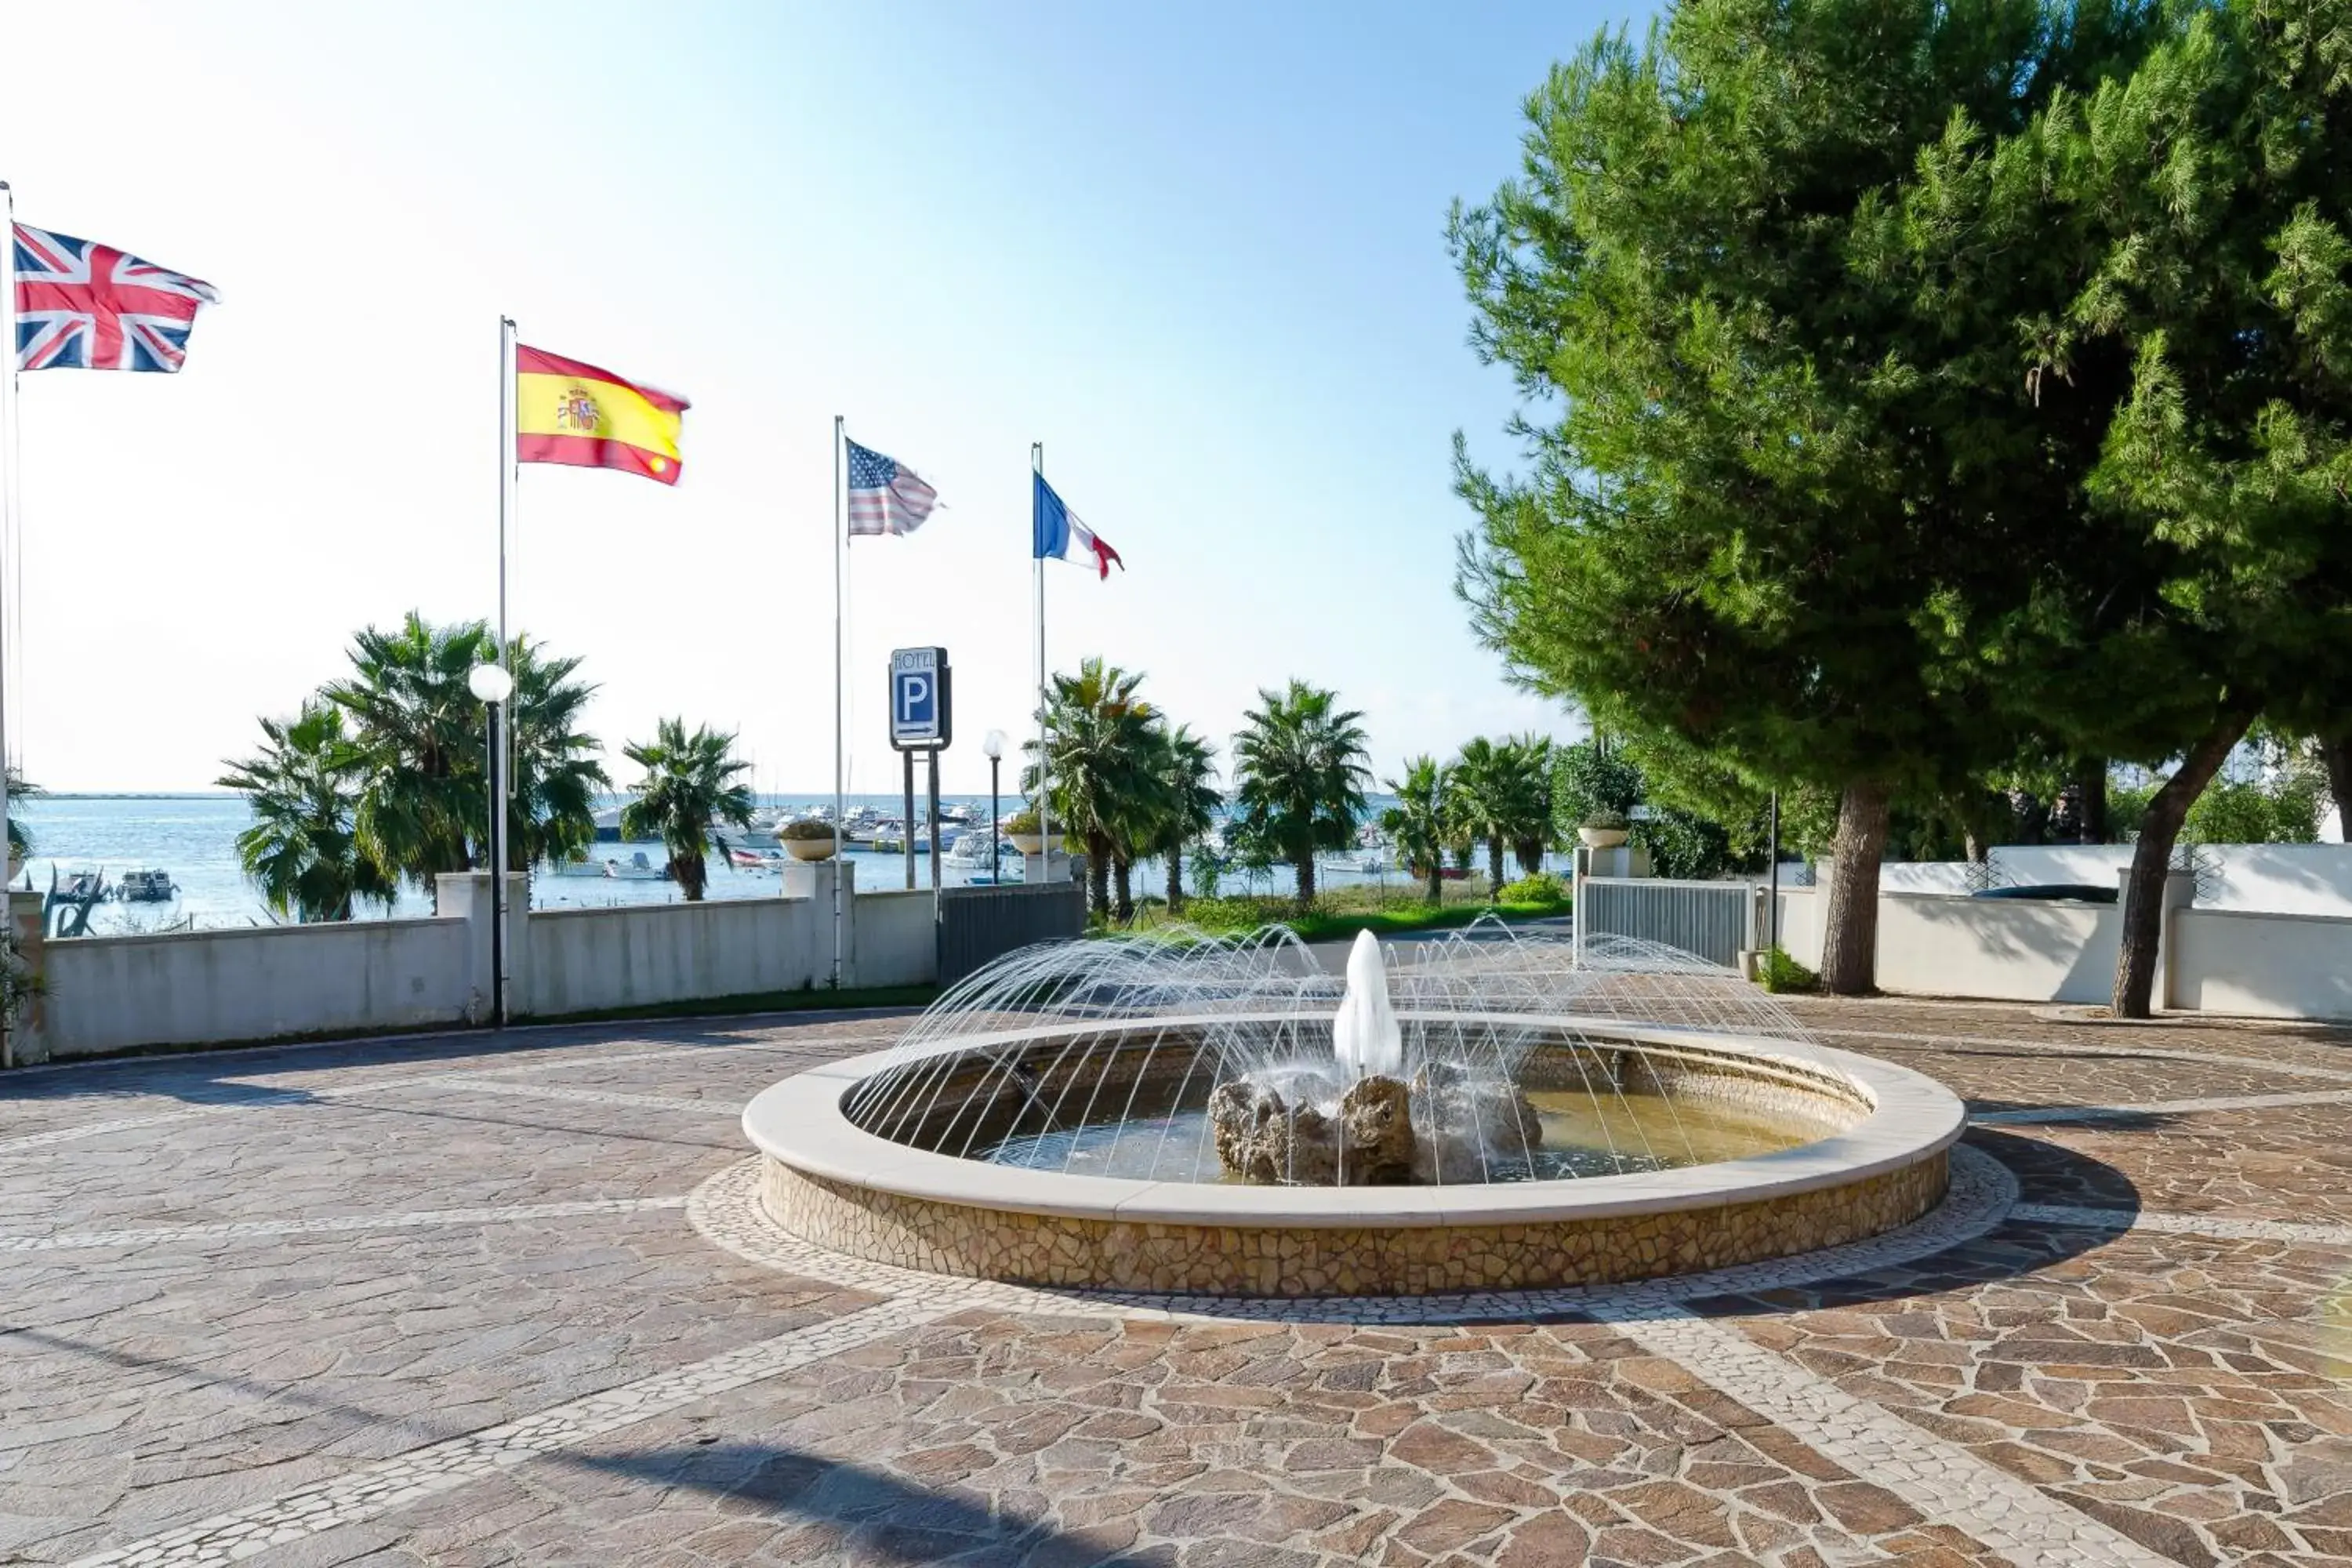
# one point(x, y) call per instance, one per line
point(83, 306)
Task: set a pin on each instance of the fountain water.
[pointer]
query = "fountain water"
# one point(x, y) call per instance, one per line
point(1364, 1032)
point(1530, 1112)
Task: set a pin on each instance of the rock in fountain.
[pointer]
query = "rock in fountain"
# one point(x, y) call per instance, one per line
point(1363, 1134)
point(1365, 1141)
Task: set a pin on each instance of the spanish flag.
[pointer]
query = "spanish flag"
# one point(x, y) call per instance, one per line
point(567, 412)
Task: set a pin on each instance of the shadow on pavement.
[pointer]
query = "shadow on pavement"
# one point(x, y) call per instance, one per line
point(876, 1516)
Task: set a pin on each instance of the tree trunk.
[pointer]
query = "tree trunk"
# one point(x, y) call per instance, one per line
point(2335, 756)
point(2092, 781)
point(1175, 877)
point(1436, 870)
point(1302, 866)
point(2152, 862)
point(1850, 944)
point(689, 872)
point(1495, 868)
point(1099, 874)
point(1530, 852)
point(1123, 876)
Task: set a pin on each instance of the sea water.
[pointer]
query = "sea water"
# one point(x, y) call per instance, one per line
point(193, 839)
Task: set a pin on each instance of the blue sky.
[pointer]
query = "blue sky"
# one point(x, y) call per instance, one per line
point(1198, 252)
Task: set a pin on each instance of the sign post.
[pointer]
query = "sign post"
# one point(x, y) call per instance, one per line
point(922, 719)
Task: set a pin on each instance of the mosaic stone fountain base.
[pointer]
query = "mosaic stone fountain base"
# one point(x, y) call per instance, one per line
point(1072, 1252)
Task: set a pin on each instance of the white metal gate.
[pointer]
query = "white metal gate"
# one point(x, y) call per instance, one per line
point(1713, 920)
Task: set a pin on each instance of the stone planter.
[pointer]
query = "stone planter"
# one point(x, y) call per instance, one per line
point(1034, 843)
point(809, 848)
point(1601, 837)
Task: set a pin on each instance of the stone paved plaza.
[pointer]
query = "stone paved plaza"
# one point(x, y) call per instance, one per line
point(462, 1302)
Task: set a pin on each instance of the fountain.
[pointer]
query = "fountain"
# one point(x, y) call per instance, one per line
point(1488, 1111)
point(1356, 1125)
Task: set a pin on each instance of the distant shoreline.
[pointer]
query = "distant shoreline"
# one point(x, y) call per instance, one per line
point(134, 795)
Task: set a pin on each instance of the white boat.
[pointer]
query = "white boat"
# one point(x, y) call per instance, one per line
point(146, 888)
point(638, 868)
point(971, 852)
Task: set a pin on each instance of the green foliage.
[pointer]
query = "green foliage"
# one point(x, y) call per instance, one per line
point(1333, 920)
point(690, 782)
point(1299, 768)
point(420, 744)
point(1770, 488)
point(1790, 495)
point(1536, 888)
point(1208, 878)
point(1592, 776)
point(1682, 844)
point(385, 776)
point(1605, 820)
point(1187, 803)
point(302, 851)
point(18, 983)
point(1109, 789)
point(1500, 793)
point(1781, 972)
point(2243, 811)
point(806, 830)
point(1024, 822)
point(20, 841)
point(1420, 825)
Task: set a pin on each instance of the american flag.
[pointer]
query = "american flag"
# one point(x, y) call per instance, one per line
point(83, 306)
point(886, 496)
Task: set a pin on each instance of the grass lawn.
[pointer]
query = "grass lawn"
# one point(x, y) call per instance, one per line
point(1340, 913)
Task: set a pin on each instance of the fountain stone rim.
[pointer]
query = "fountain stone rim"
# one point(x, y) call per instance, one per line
point(799, 1122)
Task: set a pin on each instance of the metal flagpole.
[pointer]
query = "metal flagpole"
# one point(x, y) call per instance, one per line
point(1044, 811)
point(840, 549)
point(502, 747)
point(7, 523)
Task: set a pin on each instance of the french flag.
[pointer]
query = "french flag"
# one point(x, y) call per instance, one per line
point(1058, 533)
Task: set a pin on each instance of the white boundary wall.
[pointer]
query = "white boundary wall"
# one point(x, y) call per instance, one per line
point(2264, 879)
point(2019, 949)
point(103, 994)
point(2270, 966)
point(2011, 949)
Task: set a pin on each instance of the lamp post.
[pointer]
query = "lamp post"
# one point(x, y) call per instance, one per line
point(493, 686)
point(993, 746)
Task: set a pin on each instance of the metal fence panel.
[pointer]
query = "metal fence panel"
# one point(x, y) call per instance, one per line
point(1713, 920)
point(977, 924)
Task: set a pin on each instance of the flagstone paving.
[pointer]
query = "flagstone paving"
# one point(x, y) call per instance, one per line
point(447, 1301)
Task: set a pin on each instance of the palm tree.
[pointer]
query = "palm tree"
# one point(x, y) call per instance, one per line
point(1529, 765)
point(422, 742)
point(20, 842)
point(303, 849)
point(1189, 765)
point(1100, 745)
point(691, 782)
point(1481, 806)
point(1418, 824)
point(1300, 766)
point(557, 777)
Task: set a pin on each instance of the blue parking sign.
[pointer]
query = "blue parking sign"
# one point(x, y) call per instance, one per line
point(920, 704)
